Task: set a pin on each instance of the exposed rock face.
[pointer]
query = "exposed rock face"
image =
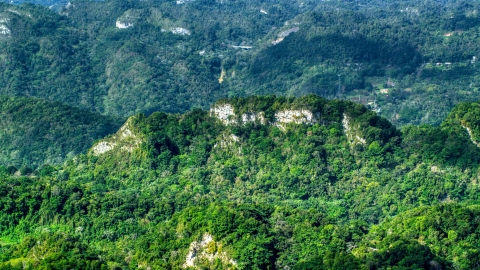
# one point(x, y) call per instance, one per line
point(123, 25)
point(223, 112)
point(295, 116)
point(124, 138)
point(254, 117)
point(128, 19)
point(222, 76)
point(103, 147)
point(19, 13)
point(470, 134)
point(206, 250)
point(180, 31)
point(435, 169)
point(179, 2)
point(282, 35)
point(289, 31)
point(352, 132)
point(4, 30)
point(227, 115)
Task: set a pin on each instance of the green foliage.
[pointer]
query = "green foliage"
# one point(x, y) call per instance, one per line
point(253, 196)
point(451, 143)
point(411, 61)
point(52, 251)
point(36, 132)
point(443, 233)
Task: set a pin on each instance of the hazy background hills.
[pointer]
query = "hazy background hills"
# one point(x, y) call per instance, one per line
point(410, 61)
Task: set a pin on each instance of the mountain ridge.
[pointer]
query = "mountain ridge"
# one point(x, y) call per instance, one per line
point(335, 49)
point(253, 195)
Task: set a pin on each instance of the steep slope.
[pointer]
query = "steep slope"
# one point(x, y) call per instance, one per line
point(125, 57)
point(401, 58)
point(438, 237)
point(261, 182)
point(36, 132)
point(466, 114)
point(48, 3)
point(454, 142)
point(395, 58)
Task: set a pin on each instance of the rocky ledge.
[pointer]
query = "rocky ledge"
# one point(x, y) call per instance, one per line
point(225, 113)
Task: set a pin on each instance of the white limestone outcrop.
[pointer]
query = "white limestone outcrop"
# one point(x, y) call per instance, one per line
point(352, 132)
point(180, 31)
point(223, 112)
point(19, 13)
point(206, 250)
point(179, 2)
point(226, 114)
point(123, 25)
point(226, 141)
point(254, 117)
point(4, 30)
point(282, 35)
point(295, 116)
point(128, 19)
point(435, 169)
point(124, 138)
point(103, 147)
point(470, 134)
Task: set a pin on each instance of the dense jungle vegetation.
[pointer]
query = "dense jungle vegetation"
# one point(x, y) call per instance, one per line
point(384, 176)
point(34, 132)
point(411, 61)
point(302, 196)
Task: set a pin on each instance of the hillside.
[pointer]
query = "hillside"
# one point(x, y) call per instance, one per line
point(410, 61)
point(36, 132)
point(255, 183)
point(47, 3)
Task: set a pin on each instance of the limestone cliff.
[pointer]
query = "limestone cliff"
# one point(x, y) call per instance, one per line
point(125, 140)
point(287, 113)
point(225, 113)
point(470, 134)
point(207, 251)
point(352, 131)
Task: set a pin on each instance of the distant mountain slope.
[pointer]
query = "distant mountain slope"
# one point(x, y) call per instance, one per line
point(254, 183)
point(34, 132)
point(123, 57)
point(47, 3)
point(410, 61)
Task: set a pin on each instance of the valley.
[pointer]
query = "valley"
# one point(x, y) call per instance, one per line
point(120, 58)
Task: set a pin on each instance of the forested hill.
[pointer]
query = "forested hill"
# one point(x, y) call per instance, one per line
point(35, 132)
point(256, 183)
point(410, 61)
point(52, 4)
